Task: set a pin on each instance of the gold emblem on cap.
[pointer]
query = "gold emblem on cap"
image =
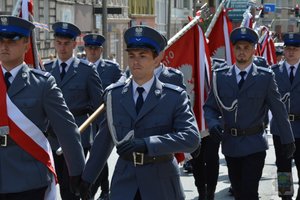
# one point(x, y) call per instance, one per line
point(138, 31)
point(65, 26)
point(291, 36)
point(4, 21)
point(94, 37)
point(243, 31)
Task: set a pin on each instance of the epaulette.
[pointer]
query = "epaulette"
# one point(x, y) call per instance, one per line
point(173, 87)
point(110, 62)
point(40, 72)
point(49, 62)
point(177, 71)
point(85, 62)
point(265, 69)
point(222, 68)
point(115, 85)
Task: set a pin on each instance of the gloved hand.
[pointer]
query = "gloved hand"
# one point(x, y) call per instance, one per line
point(288, 150)
point(74, 184)
point(85, 190)
point(216, 133)
point(130, 146)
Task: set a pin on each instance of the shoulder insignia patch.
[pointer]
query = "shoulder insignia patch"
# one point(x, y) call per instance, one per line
point(40, 72)
point(265, 69)
point(222, 68)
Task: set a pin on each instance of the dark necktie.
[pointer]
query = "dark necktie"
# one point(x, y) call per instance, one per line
point(140, 99)
point(242, 74)
point(7, 75)
point(292, 74)
point(63, 70)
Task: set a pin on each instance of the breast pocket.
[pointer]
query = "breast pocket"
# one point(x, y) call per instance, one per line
point(160, 124)
point(227, 96)
point(77, 90)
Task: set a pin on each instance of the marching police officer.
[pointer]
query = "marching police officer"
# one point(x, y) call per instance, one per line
point(81, 88)
point(235, 111)
point(146, 124)
point(109, 72)
point(30, 100)
point(288, 80)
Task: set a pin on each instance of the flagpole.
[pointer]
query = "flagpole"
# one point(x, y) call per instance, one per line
point(86, 123)
point(183, 30)
point(17, 9)
point(251, 5)
point(214, 19)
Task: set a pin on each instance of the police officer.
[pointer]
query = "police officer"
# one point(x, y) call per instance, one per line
point(30, 100)
point(146, 124)
point(288, 80)
point(235, 111)
point(81, 88)
point(109, 73)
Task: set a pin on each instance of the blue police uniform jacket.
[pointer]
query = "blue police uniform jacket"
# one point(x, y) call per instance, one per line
point(167, 126)
point(109, 72)
point(258, 93)
point(82, 91)
point(172, 76)
point(36, 95)
point(291, 103)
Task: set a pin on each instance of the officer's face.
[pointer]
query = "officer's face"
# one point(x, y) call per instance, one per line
point(292, 54)
point(64, 47)
point(243, 52)
point(93, 53)
point(142, 63)
point(12, 51)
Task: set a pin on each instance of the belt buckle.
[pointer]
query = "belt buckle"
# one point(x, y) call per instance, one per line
point(233, 132)
point(291, 117)
point(138, 158)
point(3, 139)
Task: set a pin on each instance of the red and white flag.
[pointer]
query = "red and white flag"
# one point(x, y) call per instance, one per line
point(220, 37)
point(267, 48)
point(190, 55)
point(24, 9)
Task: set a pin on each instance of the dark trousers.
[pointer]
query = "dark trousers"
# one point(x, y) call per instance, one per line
point(206, 167)
point(63, 176)
point(283, 164)
point(245, 173)
point(36, 194)
point(102, 181)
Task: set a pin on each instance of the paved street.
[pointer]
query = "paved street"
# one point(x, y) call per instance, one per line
point(267, 189)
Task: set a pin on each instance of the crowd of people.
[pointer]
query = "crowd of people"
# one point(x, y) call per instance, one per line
point(148, 118)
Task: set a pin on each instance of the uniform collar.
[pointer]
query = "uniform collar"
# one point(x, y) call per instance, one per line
point(14, 71)
point(287, 65)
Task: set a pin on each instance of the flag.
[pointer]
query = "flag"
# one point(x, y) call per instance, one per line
point(24, 9)
point(220, 37)
point(266, 47)
point(190, 55)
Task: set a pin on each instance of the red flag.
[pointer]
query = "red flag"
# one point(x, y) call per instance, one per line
point(190, 55)
point(219, 37)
